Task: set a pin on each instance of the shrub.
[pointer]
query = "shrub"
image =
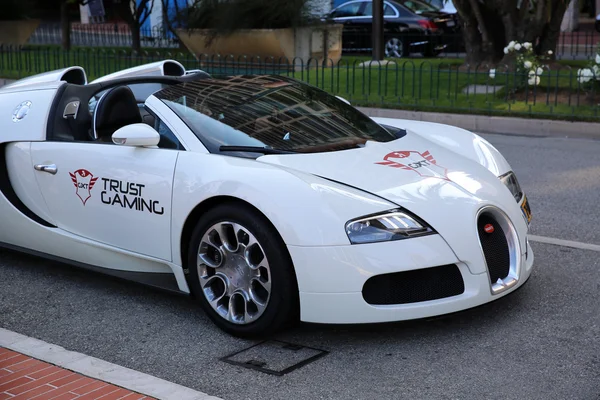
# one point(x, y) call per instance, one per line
point(592, 73)
point(529, 66)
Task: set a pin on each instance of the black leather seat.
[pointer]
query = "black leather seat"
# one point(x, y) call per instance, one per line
point(115, 109)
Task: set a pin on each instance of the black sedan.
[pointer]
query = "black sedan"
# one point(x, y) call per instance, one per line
point(409, 26)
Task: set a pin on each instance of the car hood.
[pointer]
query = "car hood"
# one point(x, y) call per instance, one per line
point(441, 187)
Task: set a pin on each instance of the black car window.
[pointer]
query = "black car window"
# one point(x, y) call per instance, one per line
point(387, 10)
point(168, 140)
point(418, 7)
point(348, 10)
point(270, 111)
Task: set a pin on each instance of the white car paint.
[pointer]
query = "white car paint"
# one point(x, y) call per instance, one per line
point(307, 197)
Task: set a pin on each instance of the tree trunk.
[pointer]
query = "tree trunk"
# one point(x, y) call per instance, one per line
point(491, 24)
point(479, 51)
point(551, 33)
point(65, 26)
point(136, 43)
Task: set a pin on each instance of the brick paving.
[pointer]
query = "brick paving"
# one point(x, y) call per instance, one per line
point(23, 377)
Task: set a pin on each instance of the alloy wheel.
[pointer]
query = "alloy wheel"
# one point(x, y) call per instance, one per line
point(234, 272)
point(394, 48)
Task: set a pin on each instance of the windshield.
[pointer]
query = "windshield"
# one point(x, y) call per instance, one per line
point(269, 111)
point(418, 7)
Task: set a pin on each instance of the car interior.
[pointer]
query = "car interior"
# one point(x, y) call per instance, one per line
point(110, 106)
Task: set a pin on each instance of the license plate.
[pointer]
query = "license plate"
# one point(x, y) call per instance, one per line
point(450, 23)
point(526, 209)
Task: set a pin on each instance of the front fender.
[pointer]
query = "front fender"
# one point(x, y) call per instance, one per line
point(306, 210)
point(457, 140)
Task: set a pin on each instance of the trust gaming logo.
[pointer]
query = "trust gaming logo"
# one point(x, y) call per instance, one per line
point(84, 182)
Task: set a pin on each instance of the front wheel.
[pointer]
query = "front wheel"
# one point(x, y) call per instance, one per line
point(241, 273)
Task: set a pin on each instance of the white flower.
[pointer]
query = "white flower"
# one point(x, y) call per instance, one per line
point(585, 75)
point(527, 45)
point(531, 73)
point(534, 80)
point(550, 52)
point(596, 70)
point(517, 46)
point(492, 73)
point(511, 45)
point(506, 50)
point(528, 64)
point(597, 58)
point(539, 71)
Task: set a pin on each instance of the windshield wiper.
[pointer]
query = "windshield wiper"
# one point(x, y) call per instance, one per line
point(255, 149)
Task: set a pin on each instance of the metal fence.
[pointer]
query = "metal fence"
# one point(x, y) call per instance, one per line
point(103, 35)
point(438, 85)
point(571, 45)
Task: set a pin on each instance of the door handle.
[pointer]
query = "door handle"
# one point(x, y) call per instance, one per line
point(50, 168)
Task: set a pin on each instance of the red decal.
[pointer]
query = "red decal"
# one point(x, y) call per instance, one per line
point(422, 163)
point(488, 228)
point(84, 182)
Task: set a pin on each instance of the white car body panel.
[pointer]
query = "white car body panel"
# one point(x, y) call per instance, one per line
point(351, 308)
point(454, 180)
point(33, 126)
point(255, 184)
point(458, 140)
point(158, 68)
point(138, 188)
point(444, 175)
point(23, 179)
point(71, 74)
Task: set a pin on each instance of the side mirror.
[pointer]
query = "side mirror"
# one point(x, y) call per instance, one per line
point(138, 135)
point(344, 100)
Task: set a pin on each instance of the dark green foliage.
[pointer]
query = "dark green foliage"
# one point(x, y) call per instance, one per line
point(15, 9)
point(227, 16)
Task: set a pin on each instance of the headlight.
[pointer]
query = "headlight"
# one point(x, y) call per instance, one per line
point(511, 182)
point(391, 225)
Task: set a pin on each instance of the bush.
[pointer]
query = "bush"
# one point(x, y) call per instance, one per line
point(588, 75)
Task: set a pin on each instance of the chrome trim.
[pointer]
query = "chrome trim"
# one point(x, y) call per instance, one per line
point(71, 110)
point(50, 168)
point(96, 113)
point(514, 250)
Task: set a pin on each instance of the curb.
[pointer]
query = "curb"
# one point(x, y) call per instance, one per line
point(499, 125)
point(98, 369)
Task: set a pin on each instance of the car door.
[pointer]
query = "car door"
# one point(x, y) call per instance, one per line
point(111, 194)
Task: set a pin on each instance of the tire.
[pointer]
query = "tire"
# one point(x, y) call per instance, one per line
point(246, 301)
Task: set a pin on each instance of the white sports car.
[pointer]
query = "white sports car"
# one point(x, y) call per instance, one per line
point(266, 199)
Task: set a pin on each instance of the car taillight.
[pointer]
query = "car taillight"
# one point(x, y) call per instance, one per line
point(427, 24)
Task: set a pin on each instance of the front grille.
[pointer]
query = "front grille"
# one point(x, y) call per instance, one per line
point(414, 286)
point(495, 247)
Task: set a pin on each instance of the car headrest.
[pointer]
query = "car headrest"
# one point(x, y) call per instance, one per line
point(115, 109)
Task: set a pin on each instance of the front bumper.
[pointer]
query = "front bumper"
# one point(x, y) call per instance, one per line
point(331, 280)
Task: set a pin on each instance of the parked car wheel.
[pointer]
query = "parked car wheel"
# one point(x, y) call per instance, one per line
point(241, 273)
point(395, 48)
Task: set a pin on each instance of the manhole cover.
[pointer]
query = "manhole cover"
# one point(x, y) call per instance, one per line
point(275, 357)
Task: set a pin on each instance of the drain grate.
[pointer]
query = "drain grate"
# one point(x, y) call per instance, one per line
point(275, 357)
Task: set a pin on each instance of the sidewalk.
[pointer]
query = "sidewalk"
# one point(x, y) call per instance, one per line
point(33, 369)
point(23, 377)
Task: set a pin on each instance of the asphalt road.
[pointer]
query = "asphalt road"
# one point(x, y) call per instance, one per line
point(541, 342)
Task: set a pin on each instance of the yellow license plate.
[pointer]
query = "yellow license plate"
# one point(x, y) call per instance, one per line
point(526, 209)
